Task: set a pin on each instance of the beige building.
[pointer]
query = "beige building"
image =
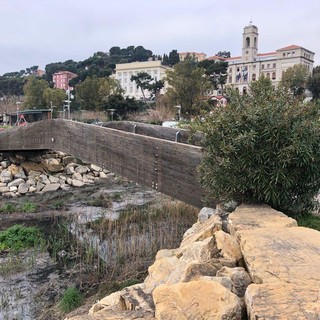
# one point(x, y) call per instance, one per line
point(198, 56)
point(124, 71)
point(252, 64)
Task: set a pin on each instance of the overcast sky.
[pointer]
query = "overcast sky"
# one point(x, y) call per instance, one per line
point(39, 32)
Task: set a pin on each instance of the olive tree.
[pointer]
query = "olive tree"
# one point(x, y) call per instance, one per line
point(263, 147)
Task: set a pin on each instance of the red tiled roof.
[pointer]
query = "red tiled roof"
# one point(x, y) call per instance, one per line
point(293, 46)
point(233, 58)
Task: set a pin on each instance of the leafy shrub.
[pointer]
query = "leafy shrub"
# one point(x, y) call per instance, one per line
point(263, 147)
point(102, 200)
point(29, 207)
point(58, 204)
point(128, 283)
point(19, 237)
point(309, 221)
point(8, 208)
point(70, 300)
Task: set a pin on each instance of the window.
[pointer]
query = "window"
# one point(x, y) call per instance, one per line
point(230, 79)
point(274, 65)
point(254, 77)
point(244, 90)
point(255, 42)
point(247, 42)
point(273, 76)
point(268, 75)
point(262, 66)
point(268, 66)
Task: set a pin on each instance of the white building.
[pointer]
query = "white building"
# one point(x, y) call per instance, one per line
point(251, 64)
point(124, 71)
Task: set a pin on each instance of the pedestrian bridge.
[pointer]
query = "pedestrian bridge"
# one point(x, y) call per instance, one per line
point(167, 166)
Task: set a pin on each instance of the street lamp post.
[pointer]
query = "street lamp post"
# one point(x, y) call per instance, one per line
point(179, 112)
point(17, 103)
point(70, 96)
point(112, 111)
point(51, 109)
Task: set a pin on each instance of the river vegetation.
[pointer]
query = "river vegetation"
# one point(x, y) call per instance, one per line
point(94, 258)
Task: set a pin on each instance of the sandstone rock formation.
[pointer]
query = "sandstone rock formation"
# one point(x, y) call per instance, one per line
point(264, 268)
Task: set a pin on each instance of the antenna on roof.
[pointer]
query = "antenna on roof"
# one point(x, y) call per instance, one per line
point(251, 21)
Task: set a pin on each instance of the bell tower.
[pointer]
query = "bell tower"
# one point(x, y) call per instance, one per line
point(249, 43)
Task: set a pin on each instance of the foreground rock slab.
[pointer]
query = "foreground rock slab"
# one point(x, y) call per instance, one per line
point(196, 300)
point(283, 262)
point(285, 273)
point(258, 216)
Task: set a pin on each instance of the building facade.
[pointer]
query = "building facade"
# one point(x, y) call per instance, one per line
point(198, 56)
point(248, 67)
point(125, 71)
point(61, 79)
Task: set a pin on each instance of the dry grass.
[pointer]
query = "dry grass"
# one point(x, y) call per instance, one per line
point(162, 111)
point(129, 245)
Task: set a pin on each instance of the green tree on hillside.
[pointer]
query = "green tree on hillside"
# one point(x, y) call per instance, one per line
point(313, 83)
point(109, 87)
point(87, 93)
point(173, 58)
point(145, 82)
point(33, 91)
point(216, 71)
point(188, 86)
point(224, 54)
point(263, 147)
point(54, 97)
point(295, 78)
point(93, 93)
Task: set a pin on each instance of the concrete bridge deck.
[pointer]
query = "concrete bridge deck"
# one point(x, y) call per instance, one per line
point(167, 166)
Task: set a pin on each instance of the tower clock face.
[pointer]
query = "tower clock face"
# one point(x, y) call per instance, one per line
point(247, 52)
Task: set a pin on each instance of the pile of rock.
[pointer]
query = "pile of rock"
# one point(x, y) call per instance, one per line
point(263, 267)
point(203, 279)
point(21, 174)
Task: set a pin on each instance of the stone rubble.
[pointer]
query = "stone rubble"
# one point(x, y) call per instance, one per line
point(22, 174)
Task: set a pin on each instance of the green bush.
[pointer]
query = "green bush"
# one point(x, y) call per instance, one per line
point(263, 147)
point(19, 237)
point(29, 207)
point(309, 221)
point(58, 205)
point(70, 300)
point(8, 208)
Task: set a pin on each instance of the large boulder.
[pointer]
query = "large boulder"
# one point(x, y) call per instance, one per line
point(196, 300)
point(160, 270)
point(257, 216)
point(239, 277)
point(52, 165)
point(29, 166)
point(17, 171)
point(134, 302)
point(6, 176)
point(228, 246)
